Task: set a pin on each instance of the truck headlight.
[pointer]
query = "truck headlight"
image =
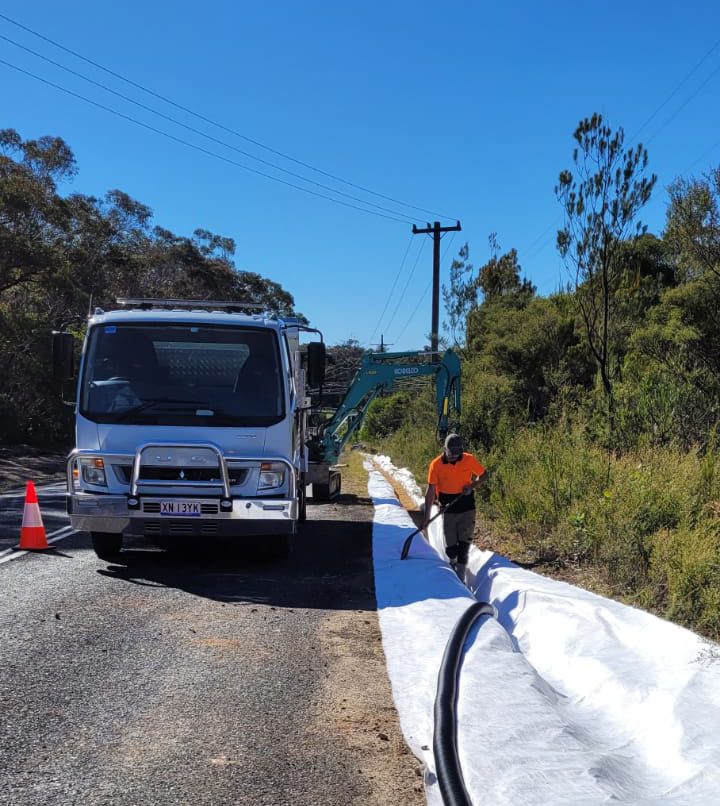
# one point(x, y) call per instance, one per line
point(271, 475)
point(93, 471)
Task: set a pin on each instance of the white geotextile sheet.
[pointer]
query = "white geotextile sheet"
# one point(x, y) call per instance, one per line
point(568, 698)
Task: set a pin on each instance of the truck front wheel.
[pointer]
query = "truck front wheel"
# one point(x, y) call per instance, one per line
point(106, 544)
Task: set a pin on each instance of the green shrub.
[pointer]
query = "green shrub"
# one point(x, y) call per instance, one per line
point(384, 416)
point(540, 483)
point(415, 442)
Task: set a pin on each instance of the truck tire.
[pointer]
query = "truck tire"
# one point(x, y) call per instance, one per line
point(106, 544)
point(321, 491)
point(326, 491)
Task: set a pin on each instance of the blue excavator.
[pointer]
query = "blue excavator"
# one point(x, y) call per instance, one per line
point(379, 374)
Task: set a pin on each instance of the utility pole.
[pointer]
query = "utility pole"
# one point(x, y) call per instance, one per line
point(382, 347)
point(383, 344)
point(437, 232)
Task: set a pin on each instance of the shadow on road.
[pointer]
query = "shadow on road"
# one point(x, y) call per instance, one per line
point(330, 566)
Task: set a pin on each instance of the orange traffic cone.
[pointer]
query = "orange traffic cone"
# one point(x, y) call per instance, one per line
point(32, 532)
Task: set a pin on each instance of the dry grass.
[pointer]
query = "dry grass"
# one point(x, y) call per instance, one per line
point(354, 475)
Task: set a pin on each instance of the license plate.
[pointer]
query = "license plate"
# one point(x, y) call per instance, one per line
point(183, 509)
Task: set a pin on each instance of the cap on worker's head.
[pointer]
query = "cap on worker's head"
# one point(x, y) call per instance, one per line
point(453, 445)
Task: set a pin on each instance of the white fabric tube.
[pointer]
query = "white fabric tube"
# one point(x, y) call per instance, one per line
point(569, 698)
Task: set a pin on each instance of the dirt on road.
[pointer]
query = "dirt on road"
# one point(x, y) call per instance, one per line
point(357, 705)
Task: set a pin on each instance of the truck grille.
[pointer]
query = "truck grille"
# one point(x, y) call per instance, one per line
point(237, 475)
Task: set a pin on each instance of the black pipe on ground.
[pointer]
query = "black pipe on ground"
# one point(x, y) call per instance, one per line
point(447, 763)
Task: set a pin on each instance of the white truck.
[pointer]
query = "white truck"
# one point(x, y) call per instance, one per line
point(190, 420)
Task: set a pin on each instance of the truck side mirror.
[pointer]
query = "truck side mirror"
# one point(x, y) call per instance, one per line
point(63, 353)
point(315, 364)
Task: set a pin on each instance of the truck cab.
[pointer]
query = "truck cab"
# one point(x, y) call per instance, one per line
point(190, 420)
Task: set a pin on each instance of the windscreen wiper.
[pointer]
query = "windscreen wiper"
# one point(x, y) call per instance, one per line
point(150, 403)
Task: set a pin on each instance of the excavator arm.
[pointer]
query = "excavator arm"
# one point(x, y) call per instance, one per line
point(384, 372)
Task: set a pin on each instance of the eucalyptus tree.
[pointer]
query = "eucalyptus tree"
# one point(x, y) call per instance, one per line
point(601, 198)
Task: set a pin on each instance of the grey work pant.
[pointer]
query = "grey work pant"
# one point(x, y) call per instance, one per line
point(458, 528)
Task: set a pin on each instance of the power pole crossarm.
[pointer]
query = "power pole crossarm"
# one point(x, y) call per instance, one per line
point(437, 232)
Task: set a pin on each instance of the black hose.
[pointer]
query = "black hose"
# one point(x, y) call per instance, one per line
point(408, 540)
point(447, 763)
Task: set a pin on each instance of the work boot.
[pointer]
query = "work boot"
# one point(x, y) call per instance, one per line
point(460, 569)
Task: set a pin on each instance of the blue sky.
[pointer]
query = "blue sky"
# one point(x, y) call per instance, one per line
point(462, 108)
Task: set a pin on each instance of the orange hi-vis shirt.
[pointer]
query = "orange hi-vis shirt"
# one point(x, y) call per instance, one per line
point(450, 479)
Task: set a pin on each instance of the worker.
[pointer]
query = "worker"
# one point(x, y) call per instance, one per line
point(455, 473)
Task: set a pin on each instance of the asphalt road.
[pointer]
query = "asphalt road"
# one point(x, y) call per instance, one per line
point(197, 676)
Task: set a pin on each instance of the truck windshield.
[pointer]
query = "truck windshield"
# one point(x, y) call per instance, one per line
point(182, 374)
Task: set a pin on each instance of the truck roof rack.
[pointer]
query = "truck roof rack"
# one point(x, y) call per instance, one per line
point(234, 306)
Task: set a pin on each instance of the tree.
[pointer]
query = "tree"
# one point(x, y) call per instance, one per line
point(601, 200)
point(460, 296)
point(523, 358)
point(498, 278)
point(33, 218)
point(671, 387)
point(646, 269)
point(671, 383)
point(693, 225)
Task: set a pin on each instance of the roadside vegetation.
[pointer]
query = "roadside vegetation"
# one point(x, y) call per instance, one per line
point(596, 409)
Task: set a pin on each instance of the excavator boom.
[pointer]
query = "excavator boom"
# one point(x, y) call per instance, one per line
point(383, 373)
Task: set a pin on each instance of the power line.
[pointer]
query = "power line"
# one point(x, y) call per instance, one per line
point(449, 244)
point(407, 283)
point(677, 88)
point(525, 253)
point(199, 116)
point(392, 290)
point(424, 294)
point(703, 59)
point(703, 155)
point(542, 247)
point(198, 131)
point(197, 147)
point(415, 310)
point(656, 132)
point(687, 101)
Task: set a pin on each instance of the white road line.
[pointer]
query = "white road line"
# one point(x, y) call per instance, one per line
point(53, 537)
